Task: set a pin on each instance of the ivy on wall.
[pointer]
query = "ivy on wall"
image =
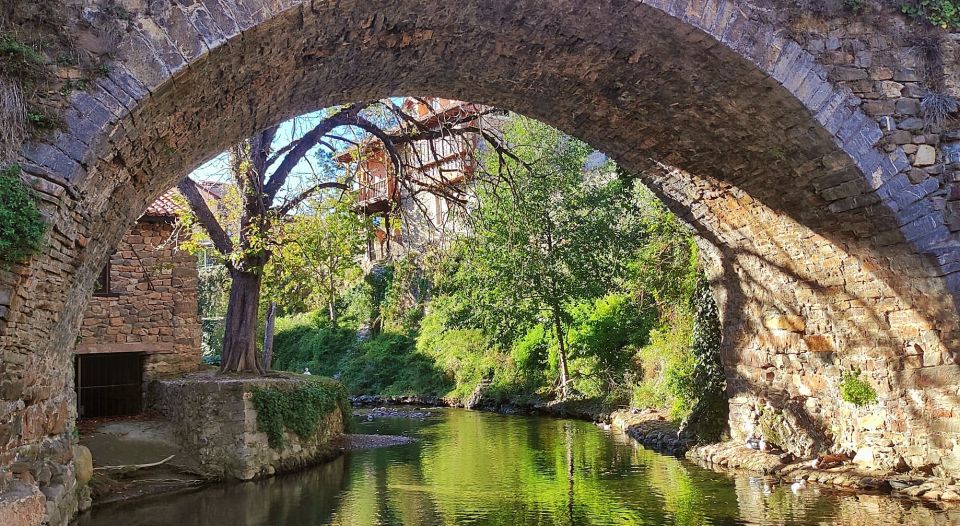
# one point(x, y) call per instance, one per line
point(21, 224)
point(708, 419)
point(299, 409)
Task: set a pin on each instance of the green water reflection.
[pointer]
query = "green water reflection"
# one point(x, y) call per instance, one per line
point(480, 468)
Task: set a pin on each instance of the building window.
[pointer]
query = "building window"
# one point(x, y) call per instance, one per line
point(102, 286)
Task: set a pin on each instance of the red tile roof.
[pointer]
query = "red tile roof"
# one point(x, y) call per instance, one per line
point(165, 205)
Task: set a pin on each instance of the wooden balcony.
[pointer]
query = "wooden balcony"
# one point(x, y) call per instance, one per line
point(376, 196)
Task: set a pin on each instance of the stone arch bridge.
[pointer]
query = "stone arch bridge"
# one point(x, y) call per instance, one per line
point(826, 208)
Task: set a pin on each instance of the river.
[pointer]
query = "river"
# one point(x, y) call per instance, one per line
point(488, 469)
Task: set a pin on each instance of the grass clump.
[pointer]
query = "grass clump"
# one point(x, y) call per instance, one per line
point(855, 390)
point(938, 108)
point(21, 224)
point(299, 410)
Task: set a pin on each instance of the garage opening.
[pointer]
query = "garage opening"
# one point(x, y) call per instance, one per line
point(109, 384)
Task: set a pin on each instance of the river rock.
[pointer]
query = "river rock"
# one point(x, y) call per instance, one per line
point(83, 462)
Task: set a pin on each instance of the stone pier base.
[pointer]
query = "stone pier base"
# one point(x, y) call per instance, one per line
point(216, 424)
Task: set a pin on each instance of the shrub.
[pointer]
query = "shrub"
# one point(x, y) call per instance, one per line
point(21, 225)
point(308, 340)
point(386, 364)
point(855, 390)
point(667, 370)
point(944, 14)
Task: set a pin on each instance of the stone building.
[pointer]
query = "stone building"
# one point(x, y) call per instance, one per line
point(142, 320)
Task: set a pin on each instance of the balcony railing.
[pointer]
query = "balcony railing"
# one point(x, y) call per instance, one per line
point(379, 190)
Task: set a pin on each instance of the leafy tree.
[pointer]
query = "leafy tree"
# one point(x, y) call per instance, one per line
point(317, 258)
point(547, 233)
point(262, 173)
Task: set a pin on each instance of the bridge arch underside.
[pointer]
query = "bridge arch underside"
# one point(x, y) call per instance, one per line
point(733, 125)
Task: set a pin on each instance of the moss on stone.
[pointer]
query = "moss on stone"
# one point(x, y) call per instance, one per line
point(21, 225)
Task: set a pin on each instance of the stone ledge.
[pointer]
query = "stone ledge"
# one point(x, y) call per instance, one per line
point(733, 456)
point(108, 348)
point(22, 505)
point(215, 423)
point(652, 429)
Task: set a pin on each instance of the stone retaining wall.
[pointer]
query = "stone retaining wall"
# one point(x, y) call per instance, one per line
point(216, 423)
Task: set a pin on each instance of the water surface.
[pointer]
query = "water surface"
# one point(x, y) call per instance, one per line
point(488, 469)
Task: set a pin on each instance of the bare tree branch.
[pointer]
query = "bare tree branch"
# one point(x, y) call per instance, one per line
point(344, 117)
point(303, 196)
point(221, 241)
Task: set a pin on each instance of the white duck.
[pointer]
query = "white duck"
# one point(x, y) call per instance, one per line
point(798, 486)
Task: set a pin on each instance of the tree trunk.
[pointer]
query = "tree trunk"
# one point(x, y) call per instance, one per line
point(240, 336)
point(333, 312)
point(268, 336)
point(561, 353)
point(332, 297)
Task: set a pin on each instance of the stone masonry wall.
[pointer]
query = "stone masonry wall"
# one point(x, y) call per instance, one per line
point(152, 305)
point(216, 423)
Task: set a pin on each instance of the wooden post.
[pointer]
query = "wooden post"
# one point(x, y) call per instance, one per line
point(268, 336)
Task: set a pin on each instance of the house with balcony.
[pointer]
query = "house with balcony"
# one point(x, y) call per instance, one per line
point(422, 207)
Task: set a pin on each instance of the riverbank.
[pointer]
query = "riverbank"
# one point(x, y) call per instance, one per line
point(651, 429)
point(590, 410)
point(828, 471)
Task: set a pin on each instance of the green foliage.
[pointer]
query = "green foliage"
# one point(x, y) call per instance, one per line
point(403, 296)
point(608, 330)
point(944, 14)
point(21, 224)
point(211, 339)
point(299, 409)
point(667, 369)
point(44, 121)
point(546, 234)
point(316, 257)
point(463, 354)
point(530, 351)
point(387, 363)
point(17, 56)
point(19, 60)
point(708, 417)
point(855, 390)
point(549, 240)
